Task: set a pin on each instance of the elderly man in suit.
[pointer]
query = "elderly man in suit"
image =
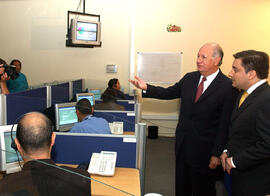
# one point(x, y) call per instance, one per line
point(207, 99)
point(247, 154)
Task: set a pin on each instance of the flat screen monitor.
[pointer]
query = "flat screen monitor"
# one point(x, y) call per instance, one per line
point(96, 92)
point(65, 116)
point(89, 96)
point(85, 32)
point(8, 157)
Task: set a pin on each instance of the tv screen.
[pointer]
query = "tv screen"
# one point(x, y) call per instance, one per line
point(65, 116)
point(85, 32)
point(96, 92)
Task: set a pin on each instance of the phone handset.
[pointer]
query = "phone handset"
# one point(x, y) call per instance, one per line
point(103, 163)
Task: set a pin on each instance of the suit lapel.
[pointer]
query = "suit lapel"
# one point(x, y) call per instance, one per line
point(212, 87)
point(248, 101)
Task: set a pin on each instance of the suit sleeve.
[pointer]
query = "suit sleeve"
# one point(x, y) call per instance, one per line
point(223, 128)
point(259, 151)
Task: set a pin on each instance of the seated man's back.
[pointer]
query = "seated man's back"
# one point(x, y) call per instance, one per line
point(40, 179)
point(87, 123)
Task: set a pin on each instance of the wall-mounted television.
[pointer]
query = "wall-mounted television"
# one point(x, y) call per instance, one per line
point(65, 116)
point(85, 32)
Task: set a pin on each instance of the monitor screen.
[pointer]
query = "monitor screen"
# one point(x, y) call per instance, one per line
point(96, 92)
point(89, 96)
point(65, 116)
point(8, 157)
point(86, 31)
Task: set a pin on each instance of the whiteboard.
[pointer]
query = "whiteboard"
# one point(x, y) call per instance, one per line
point(159, 67)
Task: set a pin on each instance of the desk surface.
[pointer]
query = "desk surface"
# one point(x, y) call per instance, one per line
point(127, 179)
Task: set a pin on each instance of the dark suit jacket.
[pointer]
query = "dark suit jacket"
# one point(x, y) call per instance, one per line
point(249, 142)
point(202, 127)
point(40, 179)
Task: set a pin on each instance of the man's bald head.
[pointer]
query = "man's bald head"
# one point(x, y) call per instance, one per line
point(217, 50)
point(34, 132)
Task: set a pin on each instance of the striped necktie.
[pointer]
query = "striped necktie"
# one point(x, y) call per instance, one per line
point(199, 90)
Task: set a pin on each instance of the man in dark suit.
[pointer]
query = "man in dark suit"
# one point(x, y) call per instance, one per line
point(247, 154)
point(203, 121)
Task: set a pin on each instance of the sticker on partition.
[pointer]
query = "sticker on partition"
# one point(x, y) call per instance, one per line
point(131, 102)
point(130, 114)
point(129, 140)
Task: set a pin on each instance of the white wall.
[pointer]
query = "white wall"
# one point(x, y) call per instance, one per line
point(35, 31)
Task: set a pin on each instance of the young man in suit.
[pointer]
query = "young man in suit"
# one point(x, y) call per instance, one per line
point(247, 154)
point(207, 98)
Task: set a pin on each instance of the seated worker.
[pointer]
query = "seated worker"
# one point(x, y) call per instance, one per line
point(20, 83)
point(40, 175)
point(114, 85)
point(3, 77)
point(109, 101)
point(87, 123)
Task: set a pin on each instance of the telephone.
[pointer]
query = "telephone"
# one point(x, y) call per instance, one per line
point(116, 127)
point(103, 163)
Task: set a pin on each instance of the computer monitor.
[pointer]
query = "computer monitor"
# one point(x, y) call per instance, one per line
point(96, 92)
point(65, 116)
point(8, 157)
point(89, 96)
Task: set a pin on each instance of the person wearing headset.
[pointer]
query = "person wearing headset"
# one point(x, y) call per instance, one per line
point(87, 123)
point(114, 85)
point(40, 176)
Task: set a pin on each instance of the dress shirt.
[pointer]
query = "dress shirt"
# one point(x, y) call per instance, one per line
point(209, 80)
point(91, 124)
point(249, 91)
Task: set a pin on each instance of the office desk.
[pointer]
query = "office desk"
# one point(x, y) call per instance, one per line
point(127, 179)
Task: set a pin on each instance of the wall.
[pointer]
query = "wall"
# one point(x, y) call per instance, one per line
point(35, 31)
point(236, 25)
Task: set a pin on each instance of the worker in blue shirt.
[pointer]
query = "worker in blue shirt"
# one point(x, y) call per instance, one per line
point(88, 123)
point(20, 83)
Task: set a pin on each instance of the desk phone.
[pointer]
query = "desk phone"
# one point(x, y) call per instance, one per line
point(103, 163)
point(116, 127)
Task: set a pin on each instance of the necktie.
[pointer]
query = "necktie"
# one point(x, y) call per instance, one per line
point(199, 90)
point(243, 97)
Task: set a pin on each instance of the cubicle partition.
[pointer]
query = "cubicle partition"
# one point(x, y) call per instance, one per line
point(20, 103)
point(60, 93)
point(127, 117)
point(128, 104)
point(77, 87)
point(76, 148)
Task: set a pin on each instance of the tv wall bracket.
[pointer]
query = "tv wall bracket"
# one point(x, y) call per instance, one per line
point(68, 36)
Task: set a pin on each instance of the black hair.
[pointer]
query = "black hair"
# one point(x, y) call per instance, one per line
point(112, 82)
point(254, 60)
point(15, 60)
point(2, 61)
point(34, 136)
point(109, 95)
point(84, 106)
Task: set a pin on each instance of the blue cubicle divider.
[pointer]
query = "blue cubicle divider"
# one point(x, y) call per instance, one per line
point(25, 101)
point(128, 104)
point(78, 148)
point(129, 97)
point(127, 117)
point(77, 86)
point(60, 93)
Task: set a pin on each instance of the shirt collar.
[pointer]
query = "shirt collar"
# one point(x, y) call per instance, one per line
point(254, 86)
point(210, 78)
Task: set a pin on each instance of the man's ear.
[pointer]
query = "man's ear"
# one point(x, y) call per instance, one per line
point(252, 74)
point(19, 147)
point(92, 110)
point(53, 139)
point(217, 60)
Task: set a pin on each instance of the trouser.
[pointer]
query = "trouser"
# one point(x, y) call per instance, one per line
point(194, 180)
